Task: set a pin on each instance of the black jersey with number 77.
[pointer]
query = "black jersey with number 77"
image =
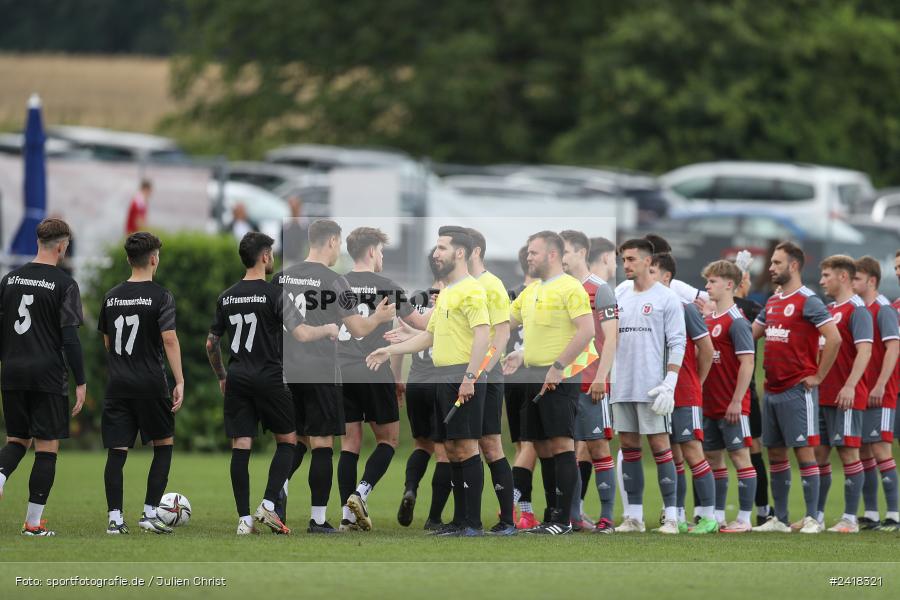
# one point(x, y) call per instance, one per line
point(133, 316)
point(36, 301)
point(253, 312)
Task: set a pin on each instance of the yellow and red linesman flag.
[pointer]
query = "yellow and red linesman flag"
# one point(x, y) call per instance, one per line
point(484, 363)
point(581, 362)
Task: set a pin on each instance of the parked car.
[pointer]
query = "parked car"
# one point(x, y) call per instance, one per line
point(793, 189)
point(285, 181)
point(263, 207)
point(746, 224)
point(11, 143)
point(886, 209)
point(882, 240)
point(106, 144)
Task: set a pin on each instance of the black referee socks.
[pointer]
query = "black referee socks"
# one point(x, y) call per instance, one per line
point(548, 475)
point(441, 486)
point(279, 469)
point(42, 475)
point(502, 478)
point(158, 476)
point(240, 480)
point(566, 477)
point(346, 474)
point(415, 469)
point(112, 478)
point(473, 484)
point(10, 457)
point(321, 471)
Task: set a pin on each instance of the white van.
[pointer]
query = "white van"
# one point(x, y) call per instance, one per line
point(793, 189)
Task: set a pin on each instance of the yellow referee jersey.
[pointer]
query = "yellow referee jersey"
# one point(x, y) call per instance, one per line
point(497, 299)
point(460, 308)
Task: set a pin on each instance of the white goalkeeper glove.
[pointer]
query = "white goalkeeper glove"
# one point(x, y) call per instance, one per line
point(664, 395)
point(743, 260)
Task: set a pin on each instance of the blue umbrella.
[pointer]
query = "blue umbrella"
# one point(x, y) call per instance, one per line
point(25, 241)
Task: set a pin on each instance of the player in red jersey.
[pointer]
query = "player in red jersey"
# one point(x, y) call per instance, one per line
point(686, 434)
point(843, 394)
point(878, 419)
point(792, 322)
point(896, 305)
point(726, 391)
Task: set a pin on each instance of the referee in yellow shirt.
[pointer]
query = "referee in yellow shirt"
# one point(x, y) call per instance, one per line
point(555, 312)
point(459, 334)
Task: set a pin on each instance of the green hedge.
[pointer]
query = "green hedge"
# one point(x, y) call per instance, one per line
point(196, 268)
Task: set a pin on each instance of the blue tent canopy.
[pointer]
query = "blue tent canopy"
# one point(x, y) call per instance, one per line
point(35, 196)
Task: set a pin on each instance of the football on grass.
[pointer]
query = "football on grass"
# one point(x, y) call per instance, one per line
point(174, 510)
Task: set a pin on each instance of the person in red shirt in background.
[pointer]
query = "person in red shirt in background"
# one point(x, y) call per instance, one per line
point(843, 393)
point(137, 210)
point(878, 419)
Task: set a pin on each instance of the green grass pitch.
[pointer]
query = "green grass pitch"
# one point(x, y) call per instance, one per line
point(395, 561)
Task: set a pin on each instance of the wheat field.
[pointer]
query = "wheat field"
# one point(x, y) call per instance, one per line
point(129, 93)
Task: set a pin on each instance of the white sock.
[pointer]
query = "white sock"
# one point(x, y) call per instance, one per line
point(718, 515)
point(820, 517)
point(851, 518)
point(682, 515)
point(115, 516)
point(248, 520)
point(149, 511)
point(363, 489)
point(580, 507)
point(268, 504)
point(526, 507)
point(743, 516)
point(348, 514)
point(318, 514)
point(696, 511)
point(671, 513)
point(635, 511)
point(892, 515)
point(33, 516)
point(2, 480)
point(872, 514)
point(285, 486)
point(707, 512)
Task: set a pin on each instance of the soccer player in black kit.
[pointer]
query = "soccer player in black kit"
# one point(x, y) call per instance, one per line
point(40, 312)
point(137, 319)
point(252, 311)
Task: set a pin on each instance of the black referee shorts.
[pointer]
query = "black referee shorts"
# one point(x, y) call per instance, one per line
point(370, 402)
point(515, 395)
point(124, 418)
point(466, 423)
point(554, 414)
point(32, 414)
point(493, 403)
point(249, 404)
point(420, 399)
point(319, 409)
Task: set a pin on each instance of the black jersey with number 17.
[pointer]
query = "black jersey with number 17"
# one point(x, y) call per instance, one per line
point(36, 301)
point(133, 316)
point(253, 312)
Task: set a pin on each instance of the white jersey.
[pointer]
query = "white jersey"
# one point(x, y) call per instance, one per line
point(684, 290)
point(651, 336)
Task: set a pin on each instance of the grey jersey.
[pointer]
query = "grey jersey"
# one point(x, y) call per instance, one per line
point(651, 336)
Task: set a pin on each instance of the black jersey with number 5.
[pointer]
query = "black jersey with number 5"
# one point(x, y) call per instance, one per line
point(252, 312)
point(36, 301)
point(133, 316)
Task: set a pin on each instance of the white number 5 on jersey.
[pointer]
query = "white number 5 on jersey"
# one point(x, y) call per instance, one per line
point(25, 324)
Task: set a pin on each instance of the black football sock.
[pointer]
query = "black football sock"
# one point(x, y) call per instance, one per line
point(502, 478)
point(762, 479)
point(566, 474)
point(10, 457)
point(522, 478)
point(441, 486)
point(585, 468)
point(42, 475)
point(158, 476)
point(113, 479)
point(459, 494)
point(346, 473)
point(279, 469)
point(240, 480)
point(416, 466)
point(321, 471)
point(473, 486)
point(377, 465)
point(299, 451)
point(548, 475)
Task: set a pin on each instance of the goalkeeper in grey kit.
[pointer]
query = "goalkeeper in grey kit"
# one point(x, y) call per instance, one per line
point(650, 348)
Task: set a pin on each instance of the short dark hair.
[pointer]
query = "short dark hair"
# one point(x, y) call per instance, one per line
point(139, 246)
point(459, 238)
point(660, 245)
point(523, 259)
point(322, 230)
point(577, 239)
point(252, 245)
point(551, 238)
point(146, 184)
point(665, 261)
point(363, 238)
point(478, 241)
point(640, 244)
point(840, 262)
point(793, 251)
point(871, 267)
point(52, 231)
point(599, 247)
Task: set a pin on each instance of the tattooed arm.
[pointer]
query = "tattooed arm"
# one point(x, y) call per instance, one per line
point(214, 353)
